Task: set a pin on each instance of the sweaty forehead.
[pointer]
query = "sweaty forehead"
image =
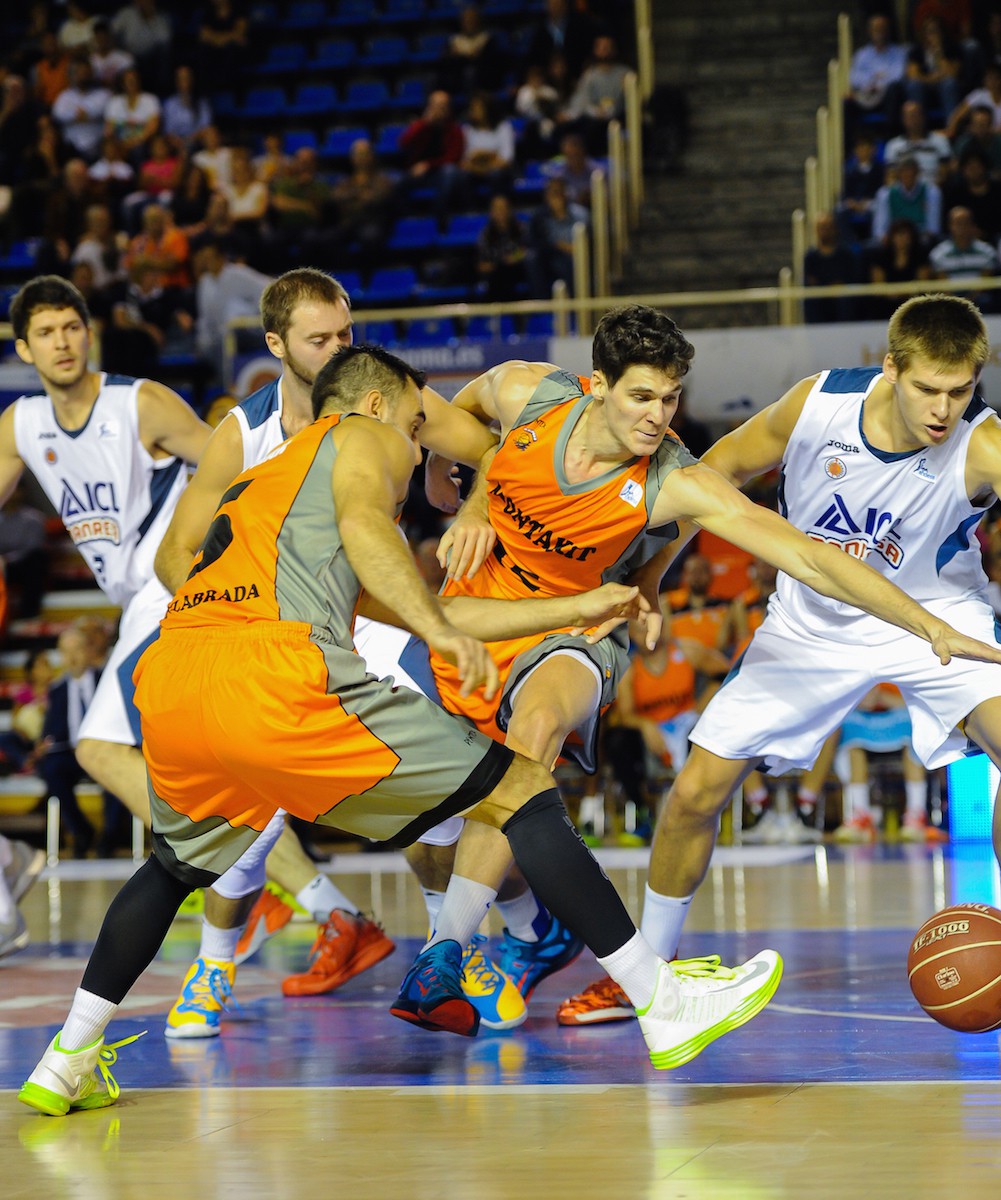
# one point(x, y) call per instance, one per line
point(48, 317)
point(319, 316)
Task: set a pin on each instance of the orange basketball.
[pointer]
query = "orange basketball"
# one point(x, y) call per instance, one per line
point(954, 967)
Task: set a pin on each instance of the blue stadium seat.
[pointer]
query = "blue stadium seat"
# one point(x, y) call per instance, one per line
point(490, 329)
point(411, 95)
point(540, 325)
point(404, 12)
point(262, 102)
point(377, 333)
point(387, 50)
point(413, 234)
point(306, 14)
point(430, 331)
point(334, 54)
point(282, 59)
point(390, 286)
point(531, 182)
point(462, 230)
point(430, 48)
point(339, 140)
point(387, 142)
point(366, 96)
point(263, 15)
point(351, 13)
point(351, 282)
point(314, 100)
point(295, 139)
point(20, 255)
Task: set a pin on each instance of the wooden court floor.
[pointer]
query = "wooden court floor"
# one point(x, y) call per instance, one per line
point(841, 1088)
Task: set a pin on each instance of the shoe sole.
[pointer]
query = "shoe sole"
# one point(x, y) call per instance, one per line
point(190, 1033)
point(317, 985)
point(454, 1016)
point(28, 875)
point(598, 1017)
point(53, 1105)
point(498, 1026)
point(679, 1055)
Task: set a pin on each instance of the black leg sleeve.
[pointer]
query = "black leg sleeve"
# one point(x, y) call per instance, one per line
point(133, 931)
point(565, 875)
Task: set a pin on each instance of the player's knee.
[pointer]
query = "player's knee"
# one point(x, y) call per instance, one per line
point(695, 795)
point(522, 780)
point(538, 728)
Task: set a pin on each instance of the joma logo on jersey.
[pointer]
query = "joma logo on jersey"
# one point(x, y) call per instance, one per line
point(844, 447)
point(93, 498)
point(873, 533)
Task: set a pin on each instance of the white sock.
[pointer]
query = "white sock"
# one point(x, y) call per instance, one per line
point(916, 793)
point(320, 897)
point(218, 944)
point(87, 1020)
point(523, 916)
point(663, 919)
point(855, 801)
point(634, 968)
point(7, 906)
point(462, 912)
point(757, 800)
point(432, 902)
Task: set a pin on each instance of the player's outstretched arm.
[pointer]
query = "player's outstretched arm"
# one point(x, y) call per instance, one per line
point(371, 472)
point(705, 497)
point(452, 432)
point(221, 462)
point(465, 544)
point(169, 425)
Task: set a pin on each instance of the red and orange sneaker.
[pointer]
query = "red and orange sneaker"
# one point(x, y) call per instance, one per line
point(267, 917)
point(346, 945)
point(601, 1001)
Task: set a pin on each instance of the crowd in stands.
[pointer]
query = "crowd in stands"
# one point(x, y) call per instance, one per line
point(921, 194)
point(146, 147)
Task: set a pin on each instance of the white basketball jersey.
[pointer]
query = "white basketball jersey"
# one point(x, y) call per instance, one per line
point(113, 497)
point(906, 514)
point(260, 421)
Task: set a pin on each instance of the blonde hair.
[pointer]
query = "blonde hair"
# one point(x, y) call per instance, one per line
point(946, 330)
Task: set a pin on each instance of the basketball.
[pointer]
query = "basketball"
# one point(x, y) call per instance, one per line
point(954, 967)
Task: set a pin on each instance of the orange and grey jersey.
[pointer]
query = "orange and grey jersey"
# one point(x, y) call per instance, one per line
point(273, 551)
point(555, 537)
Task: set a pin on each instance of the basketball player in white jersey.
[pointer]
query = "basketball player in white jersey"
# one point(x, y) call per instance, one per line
point(895, 465)
point(110, 454)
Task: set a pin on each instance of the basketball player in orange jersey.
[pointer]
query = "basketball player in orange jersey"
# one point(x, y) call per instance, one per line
point(587, 482)
point(254, 691)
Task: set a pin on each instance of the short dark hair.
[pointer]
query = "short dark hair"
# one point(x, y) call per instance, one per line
point(636, 335)
point(354, 371)
point(45, 291)
point(298, 286)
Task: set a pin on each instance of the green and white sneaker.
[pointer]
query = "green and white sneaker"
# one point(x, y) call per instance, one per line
point(697, 1000)
point(66, 1079)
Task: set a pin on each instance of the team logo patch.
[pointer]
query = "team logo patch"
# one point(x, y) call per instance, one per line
point(834, 468)
point(107, 429)
point(921, 470)
point(632, 493)
point(51, 457)
point(524, 438)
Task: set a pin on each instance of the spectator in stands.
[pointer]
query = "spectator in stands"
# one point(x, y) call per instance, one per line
point(272, 161)
point(65, 217)
point(472, 58)
point(488, 147)
point(107, 59)
point(538, 103)
point(932, 150)
point(551, 237)
point(560, 29)
point(980, 133)
point(900, 257)
point(363, 203)
point(248, 203)
point(18, 127)
point(502, 253)
point(132, 115)
point(864, 177)
point(79, 110)
point(51, 73)
point(299, 203)
point(218, 224)
point(910, 196)
point(989, 42)
point(829, 261)
point(146, 33)
point(432, 148)
point(222, 44)
point(599, 96)
point(68, 700)
point(214, 156)
point(972, 187)
point(933, 69)
point(876, 79)
point(190, 201)
point(186, 113)
point(159, 175)
point(29, 48)
point(163, 245)
point(77, 30)
point(695, 612)
point(112, 176)
point(102, 247)
point(41, 168)
point(18, 745)
point(962, 255)
point(988, 95)
point(574, 167)
point(224, 290)
point(147, 320)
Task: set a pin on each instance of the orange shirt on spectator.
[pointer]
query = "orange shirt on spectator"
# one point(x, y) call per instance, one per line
point(170, 252)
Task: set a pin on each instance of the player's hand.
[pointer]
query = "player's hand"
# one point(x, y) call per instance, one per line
point(646, 623)
point(950, 643)
point(470, 658)
point(605, 608)
point(464, 546)
point(441, 483)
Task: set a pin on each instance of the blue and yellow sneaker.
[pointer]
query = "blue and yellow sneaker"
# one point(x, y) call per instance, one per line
point(205, 993)
point(526, 964)
point(493, 995)
point(431, 995)
point(66, 1079)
